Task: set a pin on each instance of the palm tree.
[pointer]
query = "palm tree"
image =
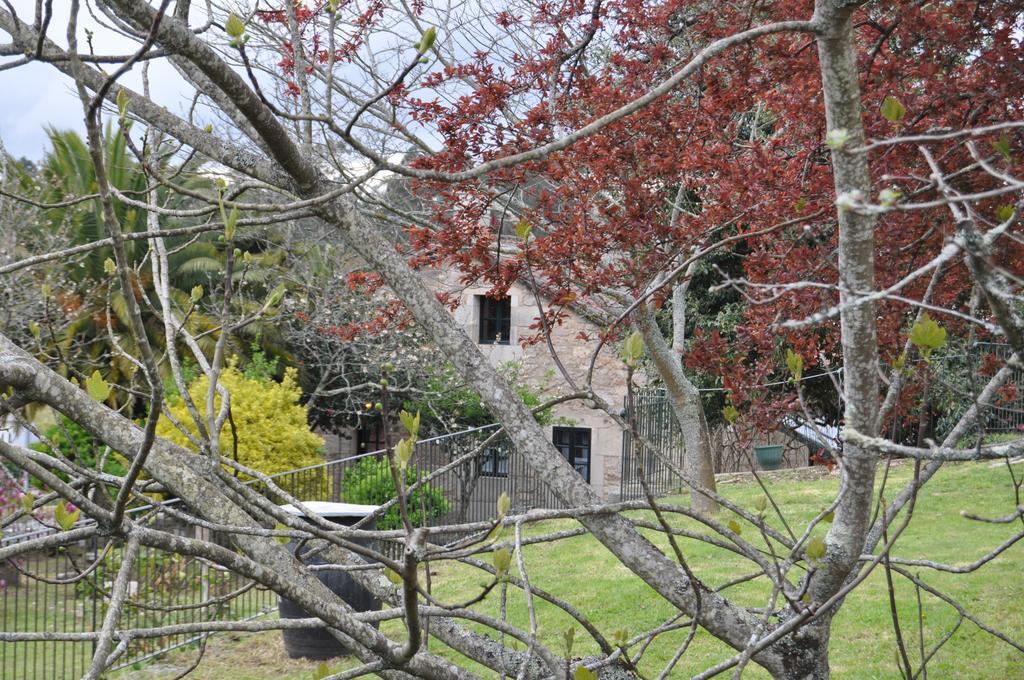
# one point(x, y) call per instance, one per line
point(93, 306)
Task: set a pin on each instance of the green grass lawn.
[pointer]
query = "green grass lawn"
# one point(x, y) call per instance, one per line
point(582, 571)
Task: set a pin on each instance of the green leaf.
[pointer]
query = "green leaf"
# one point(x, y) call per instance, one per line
point(109, 268)
point(410, 422)
point(523, 229)
point(65, 518)
point(33, 328)
point(333, 5)
point(730, 413)
point(229, 224)
point(816, 548)
point(281, 539)
point(633, 348)
point(829, 516)
point(321, 671)
point(837, 139)
point(504, 504)
point(735, 527)
point(620, 637)
point(28, 501)
point(927, 335)
point(275, 296)
point(800, 204)
point(900, 362)
point(892, 110)
point(584, 673)
point(1004, 212)
point(761, 504)
point(122, 103)
point(502, 559)
point(427, 41)
point(888, 197)
point(796, 364)
point(404, 452)
point(97, 387)
point(568, 637)
point(234, 26)
point(197, 293)
point(393, 576)
point(1002, 145)
point(208, 128)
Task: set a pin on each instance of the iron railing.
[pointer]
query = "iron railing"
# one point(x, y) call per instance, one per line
point(452, 492)
point(43, 592)
point(172, 589)
point(657, 435)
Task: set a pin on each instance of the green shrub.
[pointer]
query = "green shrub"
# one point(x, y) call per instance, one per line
point(452, 405)
point(271, 426)
point(369, 482)
point(72, 441)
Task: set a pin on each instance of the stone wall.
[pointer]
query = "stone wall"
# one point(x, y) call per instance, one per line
point(540, 372)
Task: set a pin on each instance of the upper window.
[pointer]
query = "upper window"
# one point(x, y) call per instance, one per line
point(495, 320)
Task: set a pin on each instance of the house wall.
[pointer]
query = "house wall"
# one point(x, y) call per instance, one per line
point(540, 372)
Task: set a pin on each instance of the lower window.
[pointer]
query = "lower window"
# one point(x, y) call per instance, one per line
point(494, 462)
point(574, 443)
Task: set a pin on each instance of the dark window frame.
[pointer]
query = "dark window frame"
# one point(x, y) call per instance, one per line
point(494, 462)
point(576, 445)
point(495, 320)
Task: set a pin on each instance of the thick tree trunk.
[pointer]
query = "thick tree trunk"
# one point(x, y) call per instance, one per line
point(838, 55)
point(805, 653)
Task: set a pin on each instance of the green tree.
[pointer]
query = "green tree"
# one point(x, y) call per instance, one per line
point(92, 306)
point(269, 432)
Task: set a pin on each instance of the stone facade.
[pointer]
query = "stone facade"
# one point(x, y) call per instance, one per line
point(539, 371)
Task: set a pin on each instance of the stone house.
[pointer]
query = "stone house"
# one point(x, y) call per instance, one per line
point(587, 437)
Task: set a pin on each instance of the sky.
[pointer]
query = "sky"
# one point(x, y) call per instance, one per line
point(36, 95)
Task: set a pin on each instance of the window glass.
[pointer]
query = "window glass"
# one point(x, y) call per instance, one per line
point(574, 445)
point(495, 320)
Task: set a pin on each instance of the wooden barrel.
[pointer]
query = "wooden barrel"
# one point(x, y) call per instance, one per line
point(317, 643)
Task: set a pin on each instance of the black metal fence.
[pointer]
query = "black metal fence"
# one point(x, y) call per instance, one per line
point(462, 480)
point(41, 590)
point(954, 382)
point(651, 416)
point(1006, 414)
point(45, 591)
point(656, 424)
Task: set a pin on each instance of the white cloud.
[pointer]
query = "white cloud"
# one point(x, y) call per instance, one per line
point(37, 95)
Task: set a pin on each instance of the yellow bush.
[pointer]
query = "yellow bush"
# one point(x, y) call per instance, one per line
point(273, 434)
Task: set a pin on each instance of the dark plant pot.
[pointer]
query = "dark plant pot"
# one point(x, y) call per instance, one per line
point(312, 643)
point(769, 456)
point(10, 577)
